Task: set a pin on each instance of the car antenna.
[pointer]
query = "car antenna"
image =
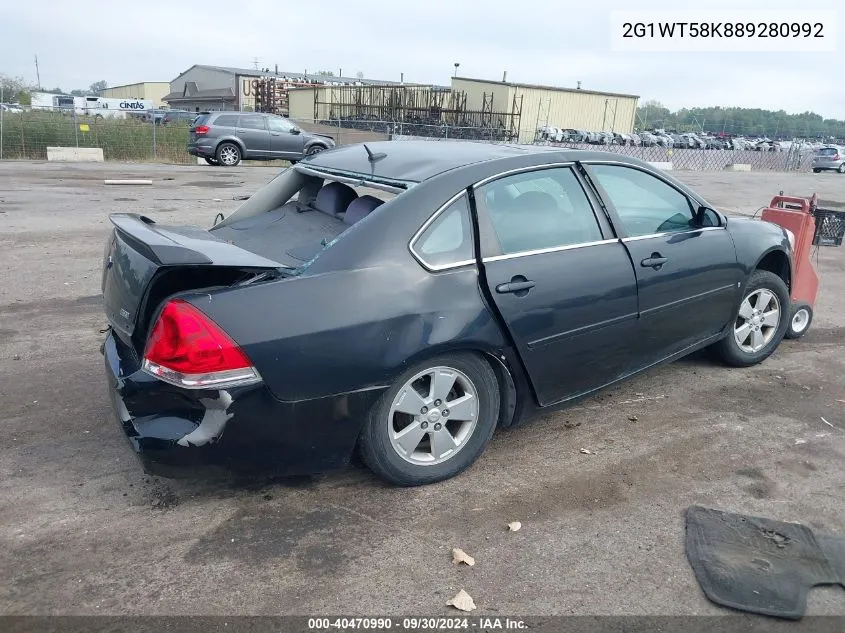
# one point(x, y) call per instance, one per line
point(374, 157)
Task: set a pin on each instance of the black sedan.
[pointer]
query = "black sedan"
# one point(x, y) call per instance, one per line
point(405, 299)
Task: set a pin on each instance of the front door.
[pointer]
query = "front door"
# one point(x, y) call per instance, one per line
point(253, 132)
point(563, 285)
point(686, 266)
point(285, 139)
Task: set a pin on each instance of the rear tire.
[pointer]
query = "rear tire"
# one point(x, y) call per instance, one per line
point(800, 321)
point(760, 321)
point(815, 171)
point(228, 154)
point(411, 437)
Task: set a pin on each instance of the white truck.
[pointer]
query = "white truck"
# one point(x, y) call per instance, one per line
point(111, 108)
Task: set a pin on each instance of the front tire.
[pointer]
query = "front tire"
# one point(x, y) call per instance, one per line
point(315, 149)
point(841, 169)
point(760, 323)
point(799, 323)
point(228, 154)
point(434, 421)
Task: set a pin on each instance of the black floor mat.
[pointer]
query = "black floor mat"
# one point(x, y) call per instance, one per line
point(759, 565)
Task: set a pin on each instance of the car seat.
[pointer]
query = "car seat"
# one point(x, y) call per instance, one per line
point(334, 198)
point(361, 207)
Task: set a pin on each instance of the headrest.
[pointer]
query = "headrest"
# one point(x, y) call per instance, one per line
point(361, 207)
point(334, 198)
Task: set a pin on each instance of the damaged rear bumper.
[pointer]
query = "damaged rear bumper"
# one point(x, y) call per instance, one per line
point(239, 427)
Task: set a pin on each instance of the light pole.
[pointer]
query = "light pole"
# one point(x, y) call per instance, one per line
point(456, 68)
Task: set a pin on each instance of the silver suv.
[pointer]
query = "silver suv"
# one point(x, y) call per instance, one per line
point(226, 138)
point(830, 157)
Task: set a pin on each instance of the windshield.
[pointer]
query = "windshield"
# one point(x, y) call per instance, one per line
point(297, 216)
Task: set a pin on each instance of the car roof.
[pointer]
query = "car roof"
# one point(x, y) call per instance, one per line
point(415, 161)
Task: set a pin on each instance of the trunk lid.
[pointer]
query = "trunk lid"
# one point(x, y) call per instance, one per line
point(138, 253)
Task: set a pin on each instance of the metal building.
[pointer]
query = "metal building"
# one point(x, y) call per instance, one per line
point(549, 105)
point(147, 90)
point(203, 87)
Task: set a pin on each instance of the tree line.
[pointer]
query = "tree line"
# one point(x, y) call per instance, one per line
point(754, 122)
point(18, 90)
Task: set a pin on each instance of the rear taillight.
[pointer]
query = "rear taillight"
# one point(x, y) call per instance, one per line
point(201, 129)
point(836, 157)
point(186, 348)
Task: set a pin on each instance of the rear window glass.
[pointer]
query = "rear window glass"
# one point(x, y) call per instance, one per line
point(201, 119)
point(828, 151)
point(227, 120)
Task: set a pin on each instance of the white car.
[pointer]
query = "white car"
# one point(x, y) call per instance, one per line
point(11, 108)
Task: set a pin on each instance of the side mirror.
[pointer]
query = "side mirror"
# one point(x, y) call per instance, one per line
point(707, 217)
point(295, 130)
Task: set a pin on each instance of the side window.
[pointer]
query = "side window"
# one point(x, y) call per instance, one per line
point(447, 240)
point(645, 204)
point(252, 122)
point(278, 124)
point(540, 209)
point(224, 120)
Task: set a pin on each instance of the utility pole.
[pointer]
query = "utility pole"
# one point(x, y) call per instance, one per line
point(37, 74)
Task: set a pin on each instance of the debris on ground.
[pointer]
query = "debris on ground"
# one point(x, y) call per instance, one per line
point(514, 526)
point(462, 601)
point(828, 423)
point(800, 442)
point(587, 451)
point(633, 418)
point(571, 425)
point(460, 556)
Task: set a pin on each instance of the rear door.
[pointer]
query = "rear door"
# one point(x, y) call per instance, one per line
point(686, 266)
point(252, 130)
point(283, 142)
point(562, 283)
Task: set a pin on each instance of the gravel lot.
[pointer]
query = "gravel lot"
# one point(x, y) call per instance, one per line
point(84, 531)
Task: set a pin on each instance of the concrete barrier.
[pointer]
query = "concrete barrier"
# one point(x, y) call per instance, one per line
point(738, 167)
point(75, 154)
point(665, 166)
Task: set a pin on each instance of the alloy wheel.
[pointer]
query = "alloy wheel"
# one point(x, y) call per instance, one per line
point(433, 416)
point(229, 155)
point(757, 321)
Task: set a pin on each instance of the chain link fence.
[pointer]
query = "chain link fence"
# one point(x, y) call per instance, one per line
point(27, 135)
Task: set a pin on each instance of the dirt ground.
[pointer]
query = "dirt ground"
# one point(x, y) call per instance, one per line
point(84, 531)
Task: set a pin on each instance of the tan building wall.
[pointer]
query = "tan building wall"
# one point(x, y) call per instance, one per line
point(152, 90)
point(301, 104)
point(559, 107)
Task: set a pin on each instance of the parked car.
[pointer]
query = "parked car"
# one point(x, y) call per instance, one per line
point(829, 158)
point(11, 108)
point(314, 320)
point(226, 138)
point(648, 139)
point(178, 116)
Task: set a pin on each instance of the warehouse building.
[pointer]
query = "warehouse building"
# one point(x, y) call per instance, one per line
point(516, 110)
point(549, 105)
point(203, 87)
point(154, 91)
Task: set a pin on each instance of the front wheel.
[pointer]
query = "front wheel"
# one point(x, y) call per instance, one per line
point(433, 422)
point(314, 149)
point(760, 324)
point(802, 317)
point(841, 169)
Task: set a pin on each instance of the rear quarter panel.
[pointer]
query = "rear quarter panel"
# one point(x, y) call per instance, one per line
point(339, 332)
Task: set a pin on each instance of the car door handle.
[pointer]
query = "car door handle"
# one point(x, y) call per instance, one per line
point(518, 285)
point(655, 261)
point(274, 134)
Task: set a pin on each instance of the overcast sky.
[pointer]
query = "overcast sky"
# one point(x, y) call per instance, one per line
point(554, 42)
